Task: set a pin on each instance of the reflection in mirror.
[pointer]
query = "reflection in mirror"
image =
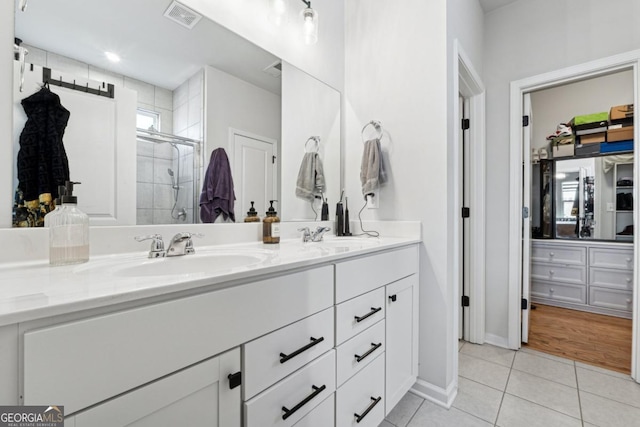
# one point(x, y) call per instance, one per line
point(191, 89)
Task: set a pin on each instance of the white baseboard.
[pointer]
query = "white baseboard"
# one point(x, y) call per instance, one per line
point(435, 394)
point(497, 341)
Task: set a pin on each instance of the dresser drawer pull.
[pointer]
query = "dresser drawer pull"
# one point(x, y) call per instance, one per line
point(285, 357)
point(628, 301)
point(371, 350)
point(369, 314)
point(316, 391)
point(364, 414)
point(393, 298)
point(551, 254)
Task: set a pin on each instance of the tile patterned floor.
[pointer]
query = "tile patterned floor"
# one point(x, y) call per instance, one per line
point(499, 387)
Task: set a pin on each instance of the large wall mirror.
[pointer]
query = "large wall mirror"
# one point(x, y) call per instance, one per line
point(182, 90)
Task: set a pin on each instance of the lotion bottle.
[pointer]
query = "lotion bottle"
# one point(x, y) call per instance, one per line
point(69, 231)
point(271, 226)
point(252, 215)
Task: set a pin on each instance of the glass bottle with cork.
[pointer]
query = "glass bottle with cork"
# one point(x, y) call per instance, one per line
point(271, 226)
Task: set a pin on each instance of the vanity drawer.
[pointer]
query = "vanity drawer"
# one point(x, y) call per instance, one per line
point(274, 356)
point(610, 298)
point(558, 254)
point(359, 351)
point(559, 273)
point(322, 416)
point(618, 279)
point(311, 384)
point(611, 258)
point(357, 314)
point(363, 392)
point(362, 275)
point(554, 291)
point(103, 356)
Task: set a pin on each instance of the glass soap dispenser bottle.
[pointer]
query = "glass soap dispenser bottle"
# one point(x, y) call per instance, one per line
point(271, 226)
point(68, 231)
point(252, 215)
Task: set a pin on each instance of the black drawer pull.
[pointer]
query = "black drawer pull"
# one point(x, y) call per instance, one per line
point(371, 350)
point(369, 314)
point(285, 357)
point(393, 297)
point(364, 414)
point(316, 391)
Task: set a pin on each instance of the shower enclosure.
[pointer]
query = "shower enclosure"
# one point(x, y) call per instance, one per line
point(168, 178)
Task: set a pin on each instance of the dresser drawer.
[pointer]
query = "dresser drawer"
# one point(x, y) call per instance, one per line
point(559, 273)
point(360, 402)
point(323, 415)
point(362, 275)
point(618, 279)
point(610, 298)
point(611, 258)
point(359, 351)
point(276, 355)
point(299, 394)
point(558, 292)
point(358, 314)
point(558, 254)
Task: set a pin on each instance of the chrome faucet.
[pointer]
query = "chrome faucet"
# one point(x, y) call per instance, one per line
point(313, 236)
point(157, 245)
point(181, 244)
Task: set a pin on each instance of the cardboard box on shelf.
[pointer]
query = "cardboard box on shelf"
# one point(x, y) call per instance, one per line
point(589, 121)
point(587, 149)
point(620, 134)
point(613, 147)
point(621, 114)
point(594, 138)
point(566, 150)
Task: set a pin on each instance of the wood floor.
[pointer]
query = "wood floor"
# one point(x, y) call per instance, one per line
point(595, 339)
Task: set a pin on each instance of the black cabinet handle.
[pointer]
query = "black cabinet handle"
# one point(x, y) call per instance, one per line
point(285, 357)
point(316, 391)
point(371, 350)
point(364, 414)
point(393, 297)
point(235, 380)
point(369, 314)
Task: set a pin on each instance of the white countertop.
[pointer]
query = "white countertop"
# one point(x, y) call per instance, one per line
point(33, 290)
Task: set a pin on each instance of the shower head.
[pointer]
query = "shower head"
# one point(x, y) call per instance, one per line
point(170, 172)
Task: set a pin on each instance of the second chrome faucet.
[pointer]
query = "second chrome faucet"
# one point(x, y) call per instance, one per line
point(180, 244)
point(313, 236)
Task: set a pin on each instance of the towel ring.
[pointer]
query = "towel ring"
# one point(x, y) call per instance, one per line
point(316, 141)
point(376, 125)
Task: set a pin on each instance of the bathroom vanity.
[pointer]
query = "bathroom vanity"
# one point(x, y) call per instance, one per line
point(305, 334)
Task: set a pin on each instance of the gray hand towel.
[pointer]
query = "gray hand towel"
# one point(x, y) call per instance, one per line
point(372, 172)
point(310, 180)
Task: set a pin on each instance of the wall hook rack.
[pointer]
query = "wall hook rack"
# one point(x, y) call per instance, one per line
point(109, 92)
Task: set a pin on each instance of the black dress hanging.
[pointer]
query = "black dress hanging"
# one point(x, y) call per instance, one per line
point(42, 160)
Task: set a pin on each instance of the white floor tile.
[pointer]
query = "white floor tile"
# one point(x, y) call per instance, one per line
point(482, 371)
point(501, 356)
point(547, 355)
point(604, 371)
point(546, 368)
point(547, 393)
point(603, 412)
point(478, 399)
point(516, 412)
point(460, 344)
point(431, 415)
point(610, 387)
point(405, 410)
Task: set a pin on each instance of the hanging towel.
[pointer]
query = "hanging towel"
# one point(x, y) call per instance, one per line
point(217, 196)
point(372, 173)
point(310, 177)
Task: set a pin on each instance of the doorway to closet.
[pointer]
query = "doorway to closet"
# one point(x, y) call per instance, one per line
point(565, 265)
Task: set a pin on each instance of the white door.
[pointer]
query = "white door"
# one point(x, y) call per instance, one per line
point(254, 172)
point(466, 222)
point(526, 217)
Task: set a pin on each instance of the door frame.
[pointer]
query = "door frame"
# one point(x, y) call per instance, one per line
point(625, 61)
point(467, 82)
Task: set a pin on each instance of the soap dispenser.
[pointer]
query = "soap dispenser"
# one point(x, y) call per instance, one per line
point(58, 207)
point(68, 231)
point(271, 226)
point(252, 215)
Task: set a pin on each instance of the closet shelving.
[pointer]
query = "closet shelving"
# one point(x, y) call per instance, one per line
point(623, 202)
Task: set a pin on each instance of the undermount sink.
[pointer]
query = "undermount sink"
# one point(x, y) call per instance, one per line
point(204, 263)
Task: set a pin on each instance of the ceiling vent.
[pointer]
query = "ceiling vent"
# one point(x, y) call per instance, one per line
point(182, 15)
point(274, 70)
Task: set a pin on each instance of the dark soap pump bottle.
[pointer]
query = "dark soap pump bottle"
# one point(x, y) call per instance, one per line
point(271, 226)
point(252, 215)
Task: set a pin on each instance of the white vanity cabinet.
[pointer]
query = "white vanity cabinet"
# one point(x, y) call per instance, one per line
point(588, 276)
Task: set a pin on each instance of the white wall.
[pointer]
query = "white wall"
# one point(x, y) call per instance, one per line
point(309, 108)
point(324, 60)
point(524, 39)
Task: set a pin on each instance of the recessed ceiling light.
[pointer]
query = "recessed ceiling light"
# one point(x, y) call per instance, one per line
point(112, 57)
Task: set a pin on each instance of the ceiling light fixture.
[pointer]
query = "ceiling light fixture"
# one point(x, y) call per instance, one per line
point(309, 24)
point(112, 57)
